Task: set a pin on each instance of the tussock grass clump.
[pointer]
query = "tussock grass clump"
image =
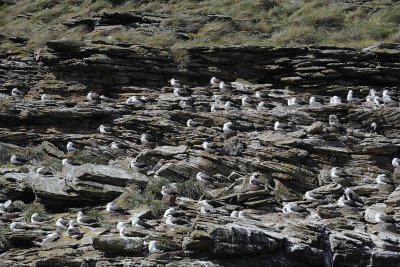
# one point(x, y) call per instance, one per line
point(157, 207)
point(18, 204)
point(34, 207)
point(103, 221)
point(5, 154)
point(149, 197)
point(52, 164)
point(191, 189)
point(34, 154)
point(5, 104)
point(153, 187)
point(4, 241)
point(86, 156)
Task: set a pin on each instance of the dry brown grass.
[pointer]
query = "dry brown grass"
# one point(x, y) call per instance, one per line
point(263, 22)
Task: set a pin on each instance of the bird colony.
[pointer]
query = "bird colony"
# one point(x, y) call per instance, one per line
point(290, 174)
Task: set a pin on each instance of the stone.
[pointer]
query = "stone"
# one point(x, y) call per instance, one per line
point(118, 245)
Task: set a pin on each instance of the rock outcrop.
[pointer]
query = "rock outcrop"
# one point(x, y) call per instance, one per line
point(290, 160)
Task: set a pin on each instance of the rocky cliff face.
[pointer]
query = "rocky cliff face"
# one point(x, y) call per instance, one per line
point(289, 161)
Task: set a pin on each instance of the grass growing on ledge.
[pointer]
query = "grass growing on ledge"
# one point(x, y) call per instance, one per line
point(31, 208)
point(86, 156)
point(4, 242)
point(150, 197)
point(247, 22)
point(191, 189)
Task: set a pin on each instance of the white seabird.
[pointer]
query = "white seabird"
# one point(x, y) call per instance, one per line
point(154, 247)
point(104, 129)
point(185, 104)
point(350, 195)
point(73, 231)
point(71, 147)
point(37, 219)
point(17, 160)
point(220, 99)
point(383, 179)
point(255, 181)
point(292, 101)
point(165, 191)
point(201, 176)
point(373, 127)
point(210, 147)
point(261, 106)
point(175, 221)
point(191, 123)
point(170, 211)
point(45, 240)
point(120, 224)
point(45, 97)
point(334, 121)
point(224, 86)
point(66, 162)
point(228, 127)
point(114, 146)
point(234, 214)
point(387, 100)
point(229, 105)
point(396, 162)
point(62, 223)
point(344, 202)
point(207, 206)
point(261, 94)
point(350, 97)
point(383, 218)
point(282, 126)
point(313, 102)
point(175, 83)
point(276, 126)
point(15, 92)
point(247, 102)
point(204, 210)
point(180, 92)
point(4, 206)
point(133, 100)
point(335, 100)
point(86, 220)
point(92, 96)
point(42, 171)
point(111, 207)
point(20, 227)
point(135, 164)
point(146, 138)
point(122, 232)
point(138, 223)
point(215, 81)
point(310, 195)
point(337, 172)
point(292, 207)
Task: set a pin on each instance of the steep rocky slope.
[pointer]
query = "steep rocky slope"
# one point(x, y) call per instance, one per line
point(289, 161)
point(327, 228)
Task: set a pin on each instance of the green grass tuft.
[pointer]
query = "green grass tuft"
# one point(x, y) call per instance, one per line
point(191, 189)
point(52, 164)
point(4, 241)
point(86, 156)
point(31, 208)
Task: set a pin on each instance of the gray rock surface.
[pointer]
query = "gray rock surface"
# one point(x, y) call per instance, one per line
point(288, 162)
